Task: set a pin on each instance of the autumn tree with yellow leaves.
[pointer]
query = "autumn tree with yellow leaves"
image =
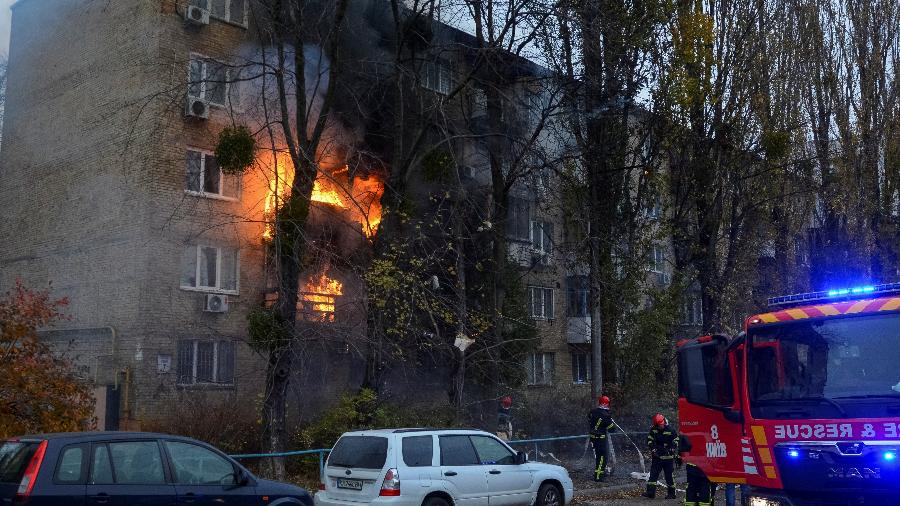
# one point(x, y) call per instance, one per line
point(39, 391)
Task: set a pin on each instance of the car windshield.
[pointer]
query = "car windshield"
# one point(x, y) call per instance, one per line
point(14, 457)
point(825, 367)
point(364, 452)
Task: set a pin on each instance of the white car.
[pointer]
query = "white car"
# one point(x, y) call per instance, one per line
point(430, 467)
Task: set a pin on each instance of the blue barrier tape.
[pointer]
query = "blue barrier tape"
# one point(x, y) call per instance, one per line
point(328, 450)
point(280, 454)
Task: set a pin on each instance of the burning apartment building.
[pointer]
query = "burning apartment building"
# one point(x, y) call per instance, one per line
point(113, 194)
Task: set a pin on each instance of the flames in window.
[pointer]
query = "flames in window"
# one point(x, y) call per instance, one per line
point(360, 197)
point(318, 298)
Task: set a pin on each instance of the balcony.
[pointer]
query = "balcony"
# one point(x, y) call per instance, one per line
point(578, 330)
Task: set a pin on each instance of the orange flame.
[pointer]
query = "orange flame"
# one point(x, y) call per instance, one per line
point(319, 297)
point(325, 196)
point(361, 197)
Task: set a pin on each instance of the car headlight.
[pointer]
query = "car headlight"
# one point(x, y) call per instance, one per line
point(764, 501)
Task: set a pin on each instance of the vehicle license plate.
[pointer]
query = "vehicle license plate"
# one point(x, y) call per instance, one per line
point(351, 484)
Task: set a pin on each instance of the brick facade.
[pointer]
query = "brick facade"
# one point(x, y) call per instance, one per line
point(92, 177)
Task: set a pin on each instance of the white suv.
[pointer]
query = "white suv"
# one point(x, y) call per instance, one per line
point(437, 468)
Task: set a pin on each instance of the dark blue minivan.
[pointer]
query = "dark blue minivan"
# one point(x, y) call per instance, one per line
point(130, 469)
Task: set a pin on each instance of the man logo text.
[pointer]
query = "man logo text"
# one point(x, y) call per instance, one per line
point(857, 473)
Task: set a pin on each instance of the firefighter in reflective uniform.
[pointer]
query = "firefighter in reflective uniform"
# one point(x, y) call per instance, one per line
point(700, 491)
point(662, 441)
point(601, 424)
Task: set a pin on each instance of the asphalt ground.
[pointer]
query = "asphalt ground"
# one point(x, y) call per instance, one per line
point(621, 488)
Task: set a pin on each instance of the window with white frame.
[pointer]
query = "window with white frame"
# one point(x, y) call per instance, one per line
point(581, 367)
point(542, 237)
point(204, 177)
point(540, 303)
point(437, 76)
point(202, 362)
point(233, 11)
point(210, 268)
point(654, 212)
point(692, 312)
point(539, 368)
point(208, 80)
point(518, 222)
point(657, 259)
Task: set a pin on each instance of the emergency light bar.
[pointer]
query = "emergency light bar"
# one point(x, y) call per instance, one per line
point(836, 294)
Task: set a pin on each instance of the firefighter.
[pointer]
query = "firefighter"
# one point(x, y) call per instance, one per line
point(700, 491)
point(601, 424)
point(662, 441)
point(504, 418)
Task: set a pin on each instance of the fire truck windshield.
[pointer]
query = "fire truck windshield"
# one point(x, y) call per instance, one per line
point(828, 368)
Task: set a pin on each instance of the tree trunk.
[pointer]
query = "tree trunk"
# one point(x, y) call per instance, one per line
point(278, 373)
point(459, 377)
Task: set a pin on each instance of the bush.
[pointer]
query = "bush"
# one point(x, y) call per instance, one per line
point(358, 411)
point(224, 421)
point(363, 410)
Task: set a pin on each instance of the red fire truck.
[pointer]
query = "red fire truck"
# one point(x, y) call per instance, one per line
point(804, 405)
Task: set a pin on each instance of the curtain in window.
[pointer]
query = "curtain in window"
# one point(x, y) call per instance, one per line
point(228, 279)
point(208, 267)
point(231, 185)
point(211, 175)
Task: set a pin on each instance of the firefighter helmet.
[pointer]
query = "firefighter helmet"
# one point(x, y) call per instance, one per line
point(603, 401)
point(659, 420)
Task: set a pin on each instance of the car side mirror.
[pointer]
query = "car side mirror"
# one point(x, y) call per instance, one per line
point(734, 416)
point(242, 478)
point(521, 458)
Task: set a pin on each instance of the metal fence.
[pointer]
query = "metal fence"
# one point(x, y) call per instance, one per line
point(321, 452)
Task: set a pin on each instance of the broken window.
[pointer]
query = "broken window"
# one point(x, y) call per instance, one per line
point(318, 298)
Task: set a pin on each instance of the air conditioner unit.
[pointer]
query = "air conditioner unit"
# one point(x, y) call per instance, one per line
point(216, 303)
point(194, 15)
point(197, 108)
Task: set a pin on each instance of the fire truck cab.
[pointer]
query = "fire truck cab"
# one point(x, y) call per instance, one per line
point(804, 405)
